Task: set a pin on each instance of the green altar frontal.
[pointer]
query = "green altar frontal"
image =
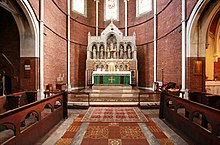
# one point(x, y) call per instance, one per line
point(112, 79)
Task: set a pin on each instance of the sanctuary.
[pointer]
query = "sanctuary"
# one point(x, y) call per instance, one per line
point(111, 58)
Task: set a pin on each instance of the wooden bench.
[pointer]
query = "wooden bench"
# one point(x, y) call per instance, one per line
point(29, 123)
point(205, 98)
point(198, 122)
point(3, 104)
point(16, 100)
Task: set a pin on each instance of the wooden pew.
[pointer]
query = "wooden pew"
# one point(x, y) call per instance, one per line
point(16, 100)
point(29, 123)
point(205, 98)
point(2, 104)
point(198, 122)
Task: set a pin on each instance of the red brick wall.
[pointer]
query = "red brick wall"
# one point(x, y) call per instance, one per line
point(189, 7)
point(55, 41)
point(145, 67)
point(80, 27)
point(35, 4)
point(78, 65)
point(55, 18)
point(55, 57)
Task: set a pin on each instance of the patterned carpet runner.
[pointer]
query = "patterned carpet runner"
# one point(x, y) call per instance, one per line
point(66, 139)
point(117, 132)
point(114, 134)
point(114, 114)
point(160, 136)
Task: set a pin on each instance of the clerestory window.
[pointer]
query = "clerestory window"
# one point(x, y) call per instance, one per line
point(143, 6)
point(80, 6)
point(111, 8)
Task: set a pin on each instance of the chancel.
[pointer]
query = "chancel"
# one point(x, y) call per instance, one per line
point(109, 72)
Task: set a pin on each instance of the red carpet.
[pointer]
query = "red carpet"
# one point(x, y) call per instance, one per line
point(114, 114)
point(156, 131)
point(113, 133)
point(71, 131)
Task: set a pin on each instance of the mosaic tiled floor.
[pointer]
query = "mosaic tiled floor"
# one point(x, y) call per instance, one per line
point(68, 136)
point(114, 133)
point(114, 114)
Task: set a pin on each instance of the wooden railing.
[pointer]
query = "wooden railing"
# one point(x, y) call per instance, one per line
point(148, 97)
point(72, 97)
point(197, 121)
point(208, 99)
point(27, 124)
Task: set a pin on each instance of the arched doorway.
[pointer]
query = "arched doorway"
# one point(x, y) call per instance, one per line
point(213, 49)
point(200, 51)
point(213, 56)
point(18, 43)
point(9, 51)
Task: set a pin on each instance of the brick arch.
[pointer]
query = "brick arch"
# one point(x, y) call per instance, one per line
point(21, 43)
point(9, 51)
point(198, 26)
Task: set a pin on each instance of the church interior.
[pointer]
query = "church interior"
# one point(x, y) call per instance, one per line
point(110, 72)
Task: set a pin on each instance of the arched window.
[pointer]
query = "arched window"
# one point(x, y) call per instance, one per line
point(143, 6)
point(111, 9)
point(80, 6)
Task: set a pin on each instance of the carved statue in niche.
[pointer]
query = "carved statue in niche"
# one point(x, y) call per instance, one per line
point(106, 67)
point(112, 51)
point(121, 52)
point(101, 52)
point(111, 43)
point(102, 67)
point(129, 52)
point(121, 68)
point(111, 66)
point(108, 53)
point(94, 52)
point(127, 67)
point(96, 66)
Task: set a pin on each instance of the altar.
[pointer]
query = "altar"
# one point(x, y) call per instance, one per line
point(111, 78)
point(111, 58)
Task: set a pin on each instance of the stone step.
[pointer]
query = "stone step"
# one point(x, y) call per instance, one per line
point(114, 91)
point(113, 99)
point(113, 95)
point(111, 87)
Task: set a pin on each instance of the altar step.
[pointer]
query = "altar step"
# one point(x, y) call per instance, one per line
point(113, 96)
point(144, 105)
point(109, 96)
point(110, 92)
point(111, 87)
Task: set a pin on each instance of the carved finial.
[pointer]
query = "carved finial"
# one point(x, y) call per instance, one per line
point(89, 34)
point(111, 20)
